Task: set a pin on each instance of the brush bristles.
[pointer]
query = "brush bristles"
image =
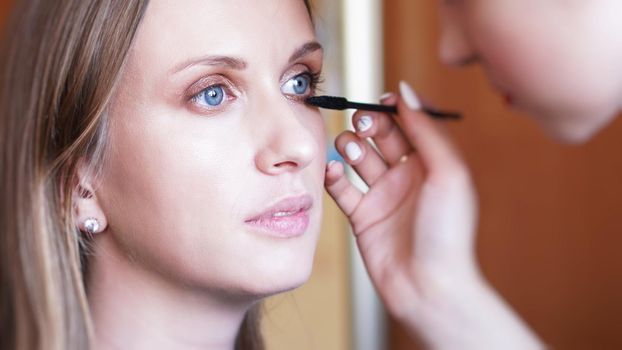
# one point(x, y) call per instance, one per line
point(330, 102)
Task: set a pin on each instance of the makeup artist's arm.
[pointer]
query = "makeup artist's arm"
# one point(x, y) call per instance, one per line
point(415, 229)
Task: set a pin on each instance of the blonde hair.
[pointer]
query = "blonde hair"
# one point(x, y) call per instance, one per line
point(59, 66)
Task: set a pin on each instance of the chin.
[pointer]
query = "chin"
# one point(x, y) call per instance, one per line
point(279, 273)
point(273, 266)
point(569, 136)
point(574, 129)
point(272, 284)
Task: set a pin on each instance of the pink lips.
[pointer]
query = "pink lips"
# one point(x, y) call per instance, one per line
point(286, 219)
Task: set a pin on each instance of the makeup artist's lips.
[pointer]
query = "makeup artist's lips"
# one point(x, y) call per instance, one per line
point(508, 99)
point(286, 219)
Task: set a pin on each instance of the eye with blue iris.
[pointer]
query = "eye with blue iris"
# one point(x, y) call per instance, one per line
point(211, 97)
point(298, 85)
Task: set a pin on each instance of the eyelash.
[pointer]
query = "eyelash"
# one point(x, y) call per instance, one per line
point(314, 80)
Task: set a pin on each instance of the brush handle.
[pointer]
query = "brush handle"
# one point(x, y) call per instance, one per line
point(442, 115)
point(340, 103)
point(373, 107)
point(393, 110)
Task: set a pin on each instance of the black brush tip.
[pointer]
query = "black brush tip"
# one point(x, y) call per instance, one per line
point(330, 102)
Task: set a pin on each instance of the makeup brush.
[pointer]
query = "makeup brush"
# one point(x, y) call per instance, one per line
point(341, 103)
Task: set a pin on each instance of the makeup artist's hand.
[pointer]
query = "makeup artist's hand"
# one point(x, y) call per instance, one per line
point(415, 229)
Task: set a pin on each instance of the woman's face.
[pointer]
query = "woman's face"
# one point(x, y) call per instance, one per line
point(559, 60)
point(208, 133)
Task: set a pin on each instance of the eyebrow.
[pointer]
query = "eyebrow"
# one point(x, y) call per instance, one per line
point(240, 64)
point(222, 61)
point(304, 50)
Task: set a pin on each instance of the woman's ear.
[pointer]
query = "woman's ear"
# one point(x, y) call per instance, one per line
point(88, 214)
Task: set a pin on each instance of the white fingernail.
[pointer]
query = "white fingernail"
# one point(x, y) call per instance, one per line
point(386, 95)
point(409, 96)
point(365, 123)
point(353, 151)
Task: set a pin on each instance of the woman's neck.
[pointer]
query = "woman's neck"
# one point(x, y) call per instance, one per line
point(134, 308)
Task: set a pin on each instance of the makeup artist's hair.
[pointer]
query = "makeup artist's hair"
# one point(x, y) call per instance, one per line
point(59, 65)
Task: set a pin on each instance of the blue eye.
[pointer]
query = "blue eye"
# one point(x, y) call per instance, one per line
point(298, 85)
point(213, 96)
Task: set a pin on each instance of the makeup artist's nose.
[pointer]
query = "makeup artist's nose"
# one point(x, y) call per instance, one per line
point(286, 144)
point(455, 48)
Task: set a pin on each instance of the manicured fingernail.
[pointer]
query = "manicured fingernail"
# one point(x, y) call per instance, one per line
point(353, 151)
point(364, 123)
point(386, 95)
point(409, 96)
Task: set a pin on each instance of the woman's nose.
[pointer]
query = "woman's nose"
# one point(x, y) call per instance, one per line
point(455, 48)
point(285, 143)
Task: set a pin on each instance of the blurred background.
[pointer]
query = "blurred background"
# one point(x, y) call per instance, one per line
point(550, 233)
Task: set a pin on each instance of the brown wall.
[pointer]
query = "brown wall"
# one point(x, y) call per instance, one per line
point(5, 5)
point(550, 233)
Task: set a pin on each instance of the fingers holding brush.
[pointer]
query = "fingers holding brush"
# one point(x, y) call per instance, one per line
point(385, 132)
point(362, 156)
point(431, 139)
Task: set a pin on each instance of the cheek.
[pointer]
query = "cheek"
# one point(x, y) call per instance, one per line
point(176, 202)
point(320, 135)
point(170, 197)
point(315, 124)
point(570, 91)
point(549, 69)
point(512, 53)
point(519, 45)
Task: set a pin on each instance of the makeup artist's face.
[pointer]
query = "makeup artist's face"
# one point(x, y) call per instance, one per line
point(558, 60)
point(208, 133)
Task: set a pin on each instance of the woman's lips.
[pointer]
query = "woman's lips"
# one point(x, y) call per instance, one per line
point(286, 219)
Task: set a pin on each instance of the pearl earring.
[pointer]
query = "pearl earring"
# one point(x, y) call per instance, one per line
point(91, 225)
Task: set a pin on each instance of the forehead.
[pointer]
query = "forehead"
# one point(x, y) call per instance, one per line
point(267, 29)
